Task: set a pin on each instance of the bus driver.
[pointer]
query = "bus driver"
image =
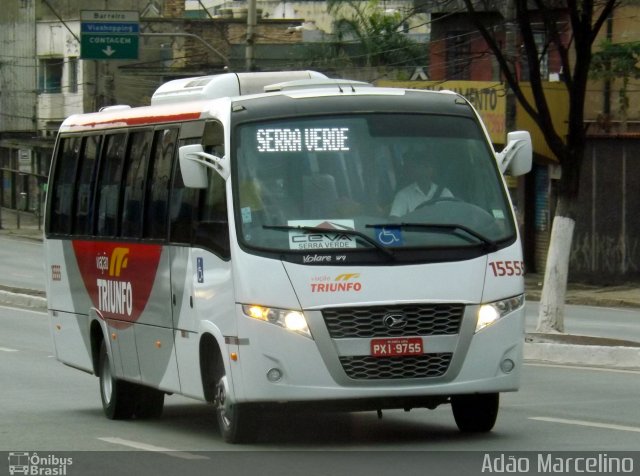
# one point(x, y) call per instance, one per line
point(422, 190)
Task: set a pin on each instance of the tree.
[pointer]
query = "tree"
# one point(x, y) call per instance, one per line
point(585, 19)
point(377, 32)
point(618, 61)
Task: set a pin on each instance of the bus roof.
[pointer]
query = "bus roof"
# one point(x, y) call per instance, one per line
point(183, 99)
point(190, 99)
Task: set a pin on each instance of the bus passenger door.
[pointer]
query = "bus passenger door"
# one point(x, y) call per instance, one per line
point(154, 334)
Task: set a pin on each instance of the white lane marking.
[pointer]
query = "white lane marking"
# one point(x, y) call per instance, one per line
point(6, 349)
point(590, 424)
point(581, 367)
point(157, 449)
point(41, 313)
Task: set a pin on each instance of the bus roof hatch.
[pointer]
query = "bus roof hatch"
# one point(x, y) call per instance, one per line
point(224, 85)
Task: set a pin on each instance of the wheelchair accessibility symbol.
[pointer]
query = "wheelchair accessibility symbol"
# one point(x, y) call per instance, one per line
point(389, 236)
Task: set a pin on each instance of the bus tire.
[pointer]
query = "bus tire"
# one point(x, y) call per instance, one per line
point(475, 413)
point(237, 422)
point(149, 402)
point(118, 396)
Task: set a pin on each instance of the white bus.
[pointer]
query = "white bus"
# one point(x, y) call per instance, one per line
point(255, 240)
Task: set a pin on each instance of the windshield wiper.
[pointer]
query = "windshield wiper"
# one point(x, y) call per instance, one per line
point(316, 229)
point(488, 243)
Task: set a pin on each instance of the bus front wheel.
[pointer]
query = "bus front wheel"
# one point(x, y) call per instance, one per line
point(475, 413)
point(237, 422)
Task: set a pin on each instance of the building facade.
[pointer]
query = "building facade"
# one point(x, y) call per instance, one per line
point(43, 78)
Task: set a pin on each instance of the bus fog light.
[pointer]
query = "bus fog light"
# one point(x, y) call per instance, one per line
point(507, 365)
point(274, 375)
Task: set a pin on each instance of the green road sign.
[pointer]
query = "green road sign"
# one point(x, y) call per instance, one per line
point(109, 35)
point(109, 47)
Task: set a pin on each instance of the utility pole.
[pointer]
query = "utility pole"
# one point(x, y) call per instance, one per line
point(252, 19)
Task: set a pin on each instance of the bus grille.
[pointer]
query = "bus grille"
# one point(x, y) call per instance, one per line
point(367, 322)
point(375, 368)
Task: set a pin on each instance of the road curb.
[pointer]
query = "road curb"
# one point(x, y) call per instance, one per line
point(23, 300)
point(617, 357)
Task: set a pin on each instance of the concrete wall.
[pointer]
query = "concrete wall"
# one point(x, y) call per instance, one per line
point(18, 68)
point(606, 246)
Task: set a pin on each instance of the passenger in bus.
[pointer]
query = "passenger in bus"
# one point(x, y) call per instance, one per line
point(421, 190)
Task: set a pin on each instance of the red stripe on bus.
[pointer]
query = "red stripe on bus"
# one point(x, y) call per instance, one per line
point(122, 121)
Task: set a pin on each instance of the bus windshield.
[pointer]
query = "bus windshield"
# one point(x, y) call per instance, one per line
point(390, 182)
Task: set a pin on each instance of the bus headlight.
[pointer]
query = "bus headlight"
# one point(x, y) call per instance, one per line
point(293, 321)
point(491, 312)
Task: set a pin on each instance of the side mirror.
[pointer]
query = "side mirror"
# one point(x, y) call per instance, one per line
point(516, 158)
point(194, 162)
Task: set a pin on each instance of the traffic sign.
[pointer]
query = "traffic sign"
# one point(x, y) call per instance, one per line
point(109, 34)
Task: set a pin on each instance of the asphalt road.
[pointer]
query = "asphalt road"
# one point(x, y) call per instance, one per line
point(47, 406)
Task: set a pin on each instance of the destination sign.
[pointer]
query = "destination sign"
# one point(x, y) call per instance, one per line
point(318, 139)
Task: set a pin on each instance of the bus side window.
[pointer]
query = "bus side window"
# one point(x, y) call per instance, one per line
point(134, 181)
point(156, 204)
point(183, 203)
point(65, 174)
point(109, 184)
point(86, 181)
point(212, 229)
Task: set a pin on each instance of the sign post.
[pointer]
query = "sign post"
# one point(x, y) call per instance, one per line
point(109, 34)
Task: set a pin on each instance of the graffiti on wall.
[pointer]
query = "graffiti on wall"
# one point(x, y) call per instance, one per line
point(599, 253)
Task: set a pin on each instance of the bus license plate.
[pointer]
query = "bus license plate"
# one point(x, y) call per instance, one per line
point(397, 346)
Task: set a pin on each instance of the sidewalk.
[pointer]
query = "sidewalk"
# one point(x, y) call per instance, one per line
point(20, 224)
point(568, 349)
point(565, 349)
